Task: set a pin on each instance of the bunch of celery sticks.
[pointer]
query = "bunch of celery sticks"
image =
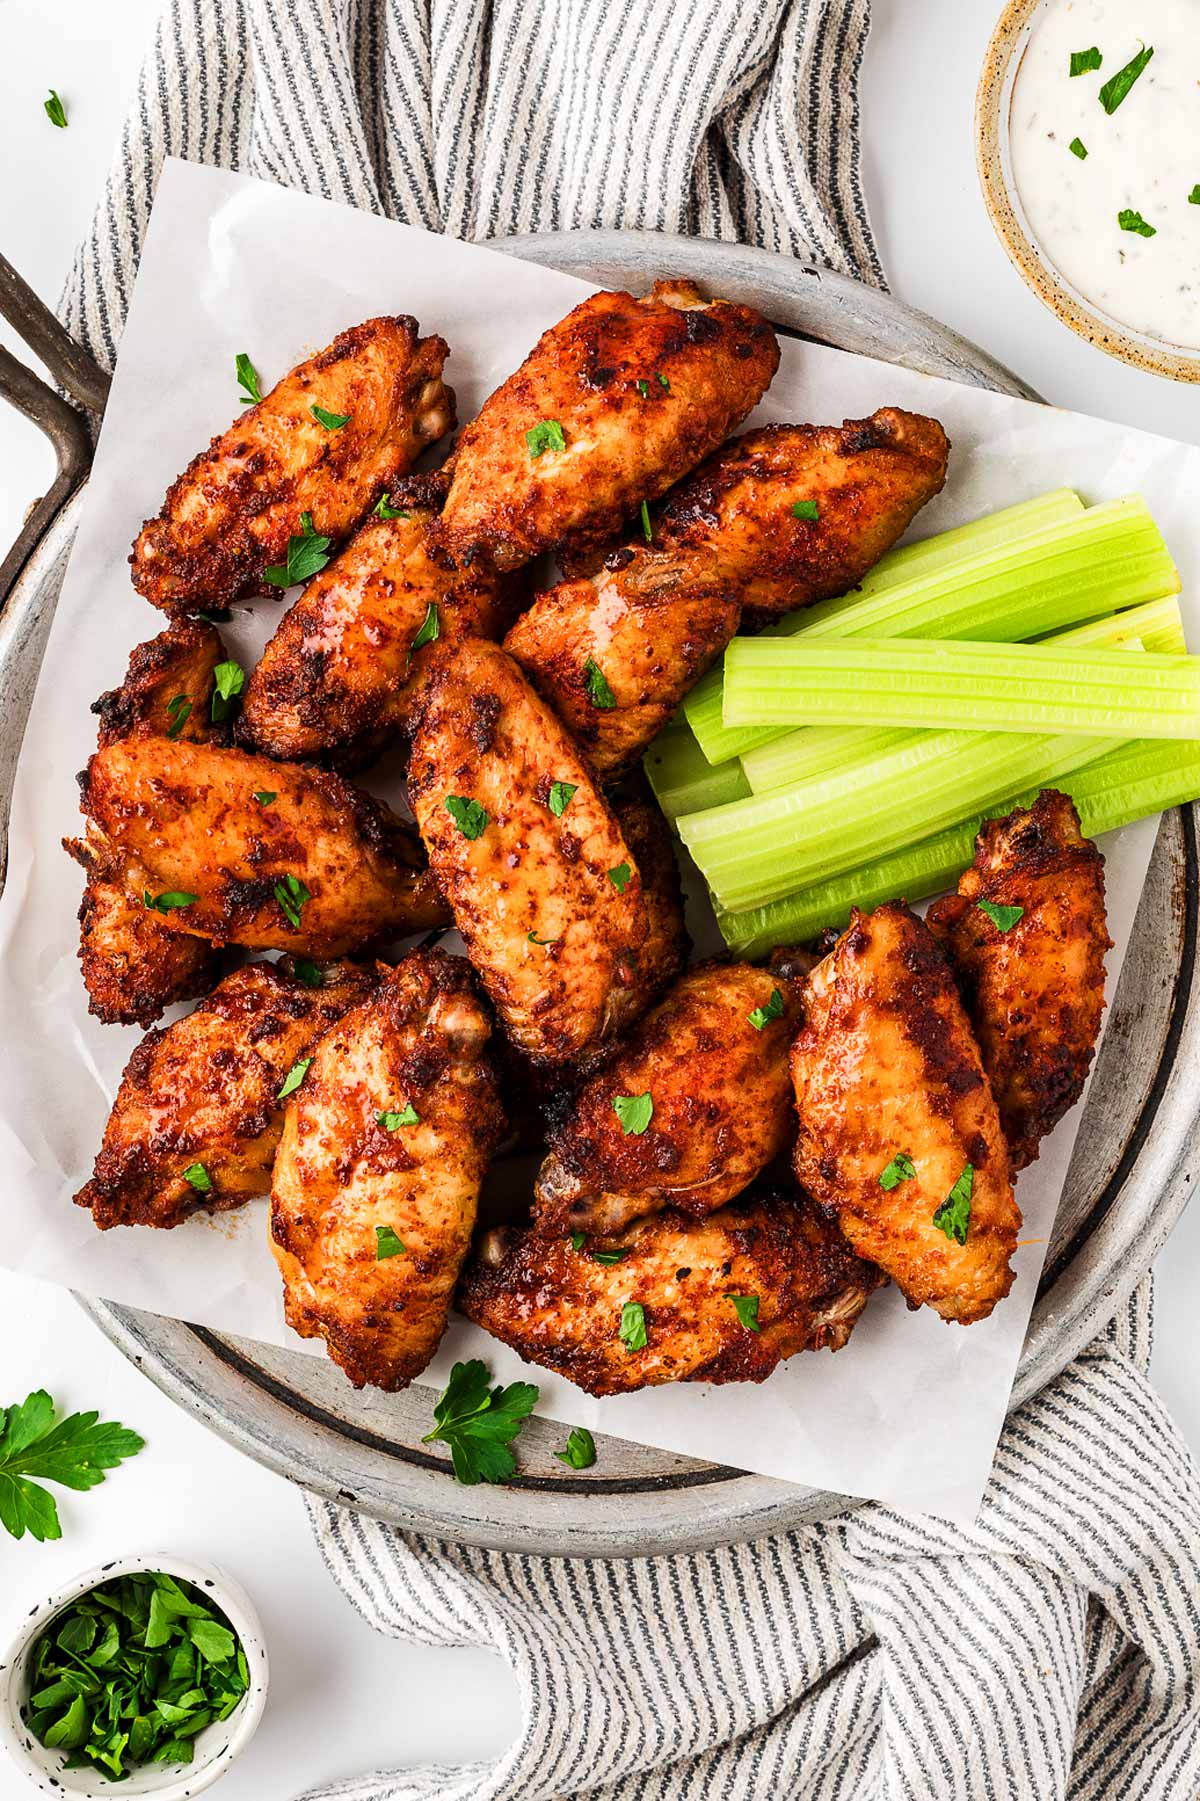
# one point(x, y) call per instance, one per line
point(847, 755)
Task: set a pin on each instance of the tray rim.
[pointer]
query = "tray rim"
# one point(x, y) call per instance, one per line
point(1091, 1279)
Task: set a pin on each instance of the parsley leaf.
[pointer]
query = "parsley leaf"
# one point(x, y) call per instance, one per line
point(900, 1169)
point(305, 556)
point(291, 894)
point(1129, 219)
point(619, 877)
point(954, 1215)
point(230, 679)
point(762, 1016)
point(746, 1308)
point(608, 1258)
point(470, 818)
point(647, 529)
point(247, 376)
point(581, 1449)
point(643, 388)
point(167, 902)
point(1003, 918)
point(560, 797)
point(407, 1116)
point(632, 1332)
point(199, 1178)
point(806, 509)
point(331, 421)
point(308, 973)
point(548, 435)
point(74, 1453)
point(429, 628)
point(532, 938)
point(1078, 148)
point(599, 692)
point(264, 796)
point(479, 1422)
point(178, 711)
point(56, 112)
point(1194, 196)
point(1082, 61)
point(388, 1245)
point(294, 1077)
point(385, 510)
point(635, 1111)
point(664, 383)
point(577, 1241)
point(1118, 85)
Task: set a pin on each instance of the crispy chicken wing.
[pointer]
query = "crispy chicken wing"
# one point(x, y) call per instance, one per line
point(337, 679)
point(564, 1309)
point(378, 1173)
point(229, 516)
point(1033, 982)
point(316, 867)
point(611, 406)
point(202, 1096)
point(134, 965)
point(655, 616)
point(898, 1131)
point(545, 889)
point(713, 1058)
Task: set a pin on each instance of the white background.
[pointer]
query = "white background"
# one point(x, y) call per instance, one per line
point(342, 1698)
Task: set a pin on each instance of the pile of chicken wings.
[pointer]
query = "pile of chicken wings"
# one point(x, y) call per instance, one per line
point(732, 1158)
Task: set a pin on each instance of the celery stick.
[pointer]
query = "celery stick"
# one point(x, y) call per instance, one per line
point(980, 686)
point(1105, 558)
point(683, 779)
point(1129, 782)
point(1157, 625)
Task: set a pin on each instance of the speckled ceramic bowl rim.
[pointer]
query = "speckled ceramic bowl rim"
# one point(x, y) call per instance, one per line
point(41, 1767)
point(992, 102)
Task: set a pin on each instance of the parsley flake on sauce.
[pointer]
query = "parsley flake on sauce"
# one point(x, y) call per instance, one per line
point(391, 1122)
point(599, 692)
point(1078, 148)
point(806, 509)
point(619, 877)
point(1003, 918)
point(1083, 61)
point(635, 1111)
point(546, 435)
point(746, 1308)
point(1129, 219)
point(560, 797)
point(632, 1332)
point(294, 1077)
point(900, 1169)
point(387, 1244)
point(199, 1178)
point(331, 421)
point(1116, 88)
point(470, 818)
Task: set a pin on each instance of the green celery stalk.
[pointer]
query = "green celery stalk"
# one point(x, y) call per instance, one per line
point(1157, 625)
point(1096, 562)
point(980, 686)
point(1130, 782)
point(683, 779)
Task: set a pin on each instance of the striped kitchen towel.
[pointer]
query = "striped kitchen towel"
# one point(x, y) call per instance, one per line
point(1053, 1650)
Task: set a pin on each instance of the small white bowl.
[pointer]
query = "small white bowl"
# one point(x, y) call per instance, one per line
point(215, 1748)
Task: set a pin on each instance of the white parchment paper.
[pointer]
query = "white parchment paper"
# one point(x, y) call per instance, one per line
point(910, 1412)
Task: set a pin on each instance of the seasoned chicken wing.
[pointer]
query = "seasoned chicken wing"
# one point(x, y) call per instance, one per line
point(198, 1114)
point(229, 516)
point(337, 679)
point(544, 887)
point(134, 965)
point(377, 1178)
point(1026, 937)
point(659, 1304)
point(898, 1131)
point(611, 406)
point(655, 616)
point(245, 851)
point(694, 1104)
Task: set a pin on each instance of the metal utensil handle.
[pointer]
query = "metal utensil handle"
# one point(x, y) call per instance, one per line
point(64, 425)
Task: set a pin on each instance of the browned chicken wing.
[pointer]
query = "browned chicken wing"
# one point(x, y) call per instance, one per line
point(544, 887)
point(134, 965)
point(1026, 937)
point(695, 1103)
point(198, 1114)
point(337, 679)
point(655, 616)
point(898, 1130)
point(229, 516)
point(245, 851)
point(660, 1308)
point(378, 1173)
point(611, 406)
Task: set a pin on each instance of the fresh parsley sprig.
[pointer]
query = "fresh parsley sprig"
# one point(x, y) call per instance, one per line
point(248, 382)
point(56, 112)
point(479, 1422)
point(1118, 85)
point(305, 556)
point(74, 1453)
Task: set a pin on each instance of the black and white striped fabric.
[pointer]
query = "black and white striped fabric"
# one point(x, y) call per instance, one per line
point(1054, 1650)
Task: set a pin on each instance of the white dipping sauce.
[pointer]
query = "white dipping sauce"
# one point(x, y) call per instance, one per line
point(1145, 157)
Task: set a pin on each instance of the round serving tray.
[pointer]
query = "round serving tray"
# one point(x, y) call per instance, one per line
point(1127, 1186)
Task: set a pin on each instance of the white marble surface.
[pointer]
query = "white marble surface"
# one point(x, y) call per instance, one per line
point(343, 1699)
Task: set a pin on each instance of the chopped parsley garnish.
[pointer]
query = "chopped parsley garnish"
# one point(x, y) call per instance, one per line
point(198, 1177)
point(479, 1422)
point(331, 421)
point(305, 556)
point(264, 796)
point(291, 894)
point(1194, 196)
point(470, 818)
point(532, 938)
point(954, 1215)
point(295, 1076)
point(806, 509)
point(647, 528)
point(1083, 61)
point(168, 902)
point(599, 692)
point(388, 1245)
point(308, 973)
point(635, 1111)
point(75, 1452)
point(1078, 148)
point(619, 877)
point(762, 1016)
point(56, 112)
point(664, 383)
point(247, 376)
point(581, 1449)
point(1003, 918)
point(560, 797)
point(900, 1169)
point(407, 1116)
point(217, 615)
point(178, 711)
point(386, 510)
point(608, 1258)
point(577, 1241)
point(430, 626)
point(746, 1308)
point(633, 1326)
point(547, 435)
point(643, 388)
point(1118, 85)
point(1129, 219)
point(230, 679)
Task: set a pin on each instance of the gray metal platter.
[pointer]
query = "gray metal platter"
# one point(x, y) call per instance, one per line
point(1129, 1180)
